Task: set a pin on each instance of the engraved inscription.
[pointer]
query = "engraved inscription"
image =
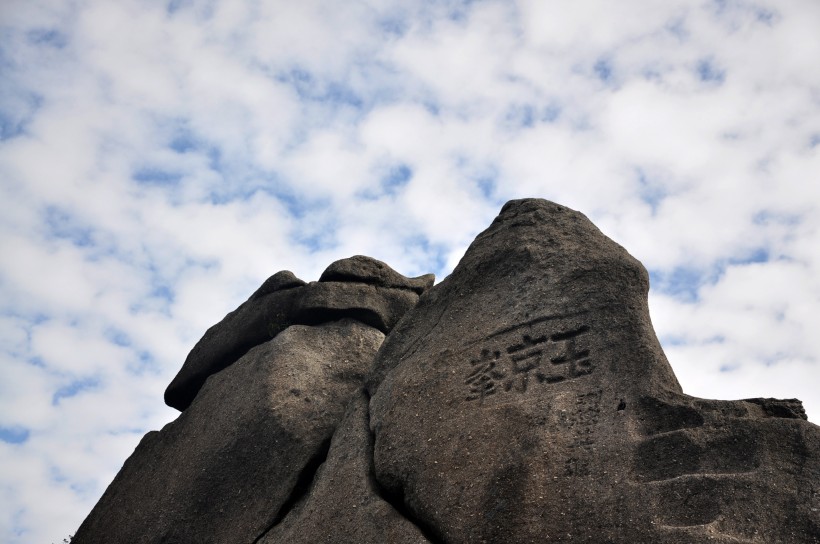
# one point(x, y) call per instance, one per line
point(485, 374)
point(538, 352)
point(581, 422)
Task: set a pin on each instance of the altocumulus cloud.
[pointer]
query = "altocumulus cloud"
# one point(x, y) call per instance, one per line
point(159, 161)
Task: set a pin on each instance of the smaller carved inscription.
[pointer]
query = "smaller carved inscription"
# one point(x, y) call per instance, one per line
point(581, 422)
point(538, 352)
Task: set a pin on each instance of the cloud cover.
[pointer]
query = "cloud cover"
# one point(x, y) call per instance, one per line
point(159, 160)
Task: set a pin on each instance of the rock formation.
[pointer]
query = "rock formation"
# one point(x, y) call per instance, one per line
point(525, 398)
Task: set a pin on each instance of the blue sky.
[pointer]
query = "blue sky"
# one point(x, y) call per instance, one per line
point(158, 161)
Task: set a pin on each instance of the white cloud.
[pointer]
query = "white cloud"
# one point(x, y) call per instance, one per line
point(158, 162)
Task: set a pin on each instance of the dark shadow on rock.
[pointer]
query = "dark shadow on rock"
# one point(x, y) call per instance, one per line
point(342, 505)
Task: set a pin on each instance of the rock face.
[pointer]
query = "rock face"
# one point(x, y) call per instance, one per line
point(371, 292)
point(525, 398)
point(346, 504)
point(265, 314)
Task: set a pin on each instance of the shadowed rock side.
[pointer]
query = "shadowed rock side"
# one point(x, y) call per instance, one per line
point(527, 399)
point(343, 505)
point(244, 450)
point(379, 307)
point(359, 287)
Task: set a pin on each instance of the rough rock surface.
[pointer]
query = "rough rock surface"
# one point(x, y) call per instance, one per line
point(362, 287)
point(345, 505)
point(526, 399)
point(523, 399)
point(233, 463)
point(264, 315)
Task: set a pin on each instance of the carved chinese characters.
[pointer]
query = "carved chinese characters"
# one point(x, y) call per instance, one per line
point(540, 351)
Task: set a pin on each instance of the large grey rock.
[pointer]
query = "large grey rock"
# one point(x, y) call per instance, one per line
point(266, 313)
point(245, 450)
point(527, 399)
point(344, 505)
point(523, 399)
point(359, 287)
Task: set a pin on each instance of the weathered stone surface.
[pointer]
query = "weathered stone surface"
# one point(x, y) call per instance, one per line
point(369, 270)
point(232, 464)
point(267, 312)
point(527, 399)
point(344, 505)
point(358, 287)
point(379, 307)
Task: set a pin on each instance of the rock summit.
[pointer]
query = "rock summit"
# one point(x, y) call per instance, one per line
point(524, 398)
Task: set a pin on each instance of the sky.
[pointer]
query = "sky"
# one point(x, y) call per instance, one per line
point(159, 160)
